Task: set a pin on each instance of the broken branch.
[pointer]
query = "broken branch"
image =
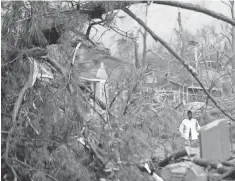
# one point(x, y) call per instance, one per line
point(175, 156)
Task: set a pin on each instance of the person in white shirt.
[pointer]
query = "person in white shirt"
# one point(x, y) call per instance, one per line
point(189, 128)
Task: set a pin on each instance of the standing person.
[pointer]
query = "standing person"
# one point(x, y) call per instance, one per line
point(189, 129)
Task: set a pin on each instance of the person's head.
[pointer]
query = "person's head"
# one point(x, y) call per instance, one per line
point(190, 115)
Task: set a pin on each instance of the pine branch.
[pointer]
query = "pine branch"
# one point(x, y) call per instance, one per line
point(16, 110)
point(61, 70)
point(55, 64)
point(181, 60)
point(29, 166)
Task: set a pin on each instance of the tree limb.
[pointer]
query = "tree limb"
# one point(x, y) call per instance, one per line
point(181, 60)
point(227, 4)
point(117, 6)
point(227, 174)
point(174, 156)
point(99, 153)
point(181, 33)
point(73, 60)
point(197, 8)
point(188, 6)
point(120, 32)
point(90, 26)
point(55, 64)
point(225, 36)
point(13, 171)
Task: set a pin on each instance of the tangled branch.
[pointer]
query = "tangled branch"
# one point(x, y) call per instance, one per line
point(15, 113)
point(29, 166)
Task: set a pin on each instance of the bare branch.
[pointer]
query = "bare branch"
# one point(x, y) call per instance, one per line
point(232, 8)
point(100, 115)
point(102, 35)
point(120, 32)
point(12, 60)
point(90, 26)
point(181, 33)
point(73, 60)
point(181, 60)
point(141, 31)
point(197, 8)
point(227, 4)
point(155, 53)
point(225, 36)
point(114, 98)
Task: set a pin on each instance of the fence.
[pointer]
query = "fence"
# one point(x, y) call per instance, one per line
point(179, 96)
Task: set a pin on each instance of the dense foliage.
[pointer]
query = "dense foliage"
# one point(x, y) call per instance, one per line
point(43, 120)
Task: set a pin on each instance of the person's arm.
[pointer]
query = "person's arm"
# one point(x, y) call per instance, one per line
point(197, 125)
point(182, 128)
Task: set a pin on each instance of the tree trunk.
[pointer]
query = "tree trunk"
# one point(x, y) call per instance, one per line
point(215, 165)
point(137, 61)
point(233, 42)
point(175, 156)
point(181, 35)
point(145, 38)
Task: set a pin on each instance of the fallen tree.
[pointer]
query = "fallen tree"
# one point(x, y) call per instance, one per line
point(43, 108)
